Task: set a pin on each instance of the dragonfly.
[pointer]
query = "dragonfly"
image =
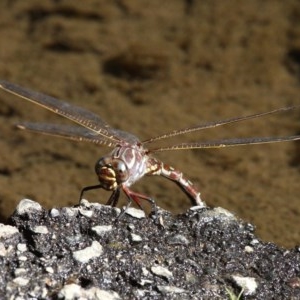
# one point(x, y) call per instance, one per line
point(131, 159)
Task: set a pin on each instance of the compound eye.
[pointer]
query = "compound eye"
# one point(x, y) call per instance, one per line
point(102, 162)
point(121, 170)
point(120, 167)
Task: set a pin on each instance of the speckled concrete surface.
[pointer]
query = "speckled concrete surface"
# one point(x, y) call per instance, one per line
point(86, 252)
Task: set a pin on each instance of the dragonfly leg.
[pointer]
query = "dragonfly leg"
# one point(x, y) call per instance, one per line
point(114, 198)
point(136, 197)
point(88, 188)
point(159, 168)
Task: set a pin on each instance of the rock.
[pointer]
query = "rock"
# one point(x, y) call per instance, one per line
point(54, 212)
point(102, 229)
point(136, 213)
point(22, 247)
point(204, 253)
point(7, 230)
point(86, 213)
point(40, 229)
point(70, 212)
point(136, 238)
point(162, 272)
point(247, 284)
point(3, 251)
point(27, 206)
point(74, 291)
point(88, 253)
point(178, 239)
point(21, 281)
point(167, 289)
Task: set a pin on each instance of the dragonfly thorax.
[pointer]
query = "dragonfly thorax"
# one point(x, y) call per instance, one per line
point(124, 165)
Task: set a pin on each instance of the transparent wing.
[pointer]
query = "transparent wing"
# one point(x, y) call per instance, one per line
point(217, 123)
point(74, 133)
point(227, 143)
point(77, 114)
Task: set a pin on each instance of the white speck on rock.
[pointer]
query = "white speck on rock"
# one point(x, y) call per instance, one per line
point(21, 281)
point(40, 229)
point(50, 270)
point(225, 212)
point(161, 272)
point(22, 247)
point(217, 213)
point(101, 294)
point(140, 294)
point(136, 213)
point(7, 230)
point(249, 284)
point(74, 291)
point(144, 282)
point(145, 271)
point(248, 249)
point(178, 239)
point(70, 211)
point(136, 237)
point(54, 213)
point(85, 202)
point(101, 229)
point(86, 213)
point(19, 271)
point(117, 210)
point(3, 250)
point(27, 206)
point(23, 258)
point(70, 291)
point(254, 242)
point(131, 227)
point(166, 289)
point(84, 255)
point(197, 207)
point(88, 204)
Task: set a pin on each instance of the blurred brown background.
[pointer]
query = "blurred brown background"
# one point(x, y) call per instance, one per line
point(149, 67)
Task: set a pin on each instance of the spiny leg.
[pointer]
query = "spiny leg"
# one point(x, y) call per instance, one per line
point(136, 197)
point(114, 198)
point(88, 188)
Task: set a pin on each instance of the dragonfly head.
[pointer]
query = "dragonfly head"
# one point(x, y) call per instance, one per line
point(111, 172)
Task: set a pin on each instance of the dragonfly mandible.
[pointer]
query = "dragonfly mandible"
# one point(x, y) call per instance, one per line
point(130, 159)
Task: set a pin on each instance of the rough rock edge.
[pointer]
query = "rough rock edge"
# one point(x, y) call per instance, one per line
point(86, 252)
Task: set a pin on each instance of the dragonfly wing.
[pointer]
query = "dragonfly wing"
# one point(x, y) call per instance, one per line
point(218, 123)
point(126, 136)
point(69, 132)
point(77, 114)
point(227, 143)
